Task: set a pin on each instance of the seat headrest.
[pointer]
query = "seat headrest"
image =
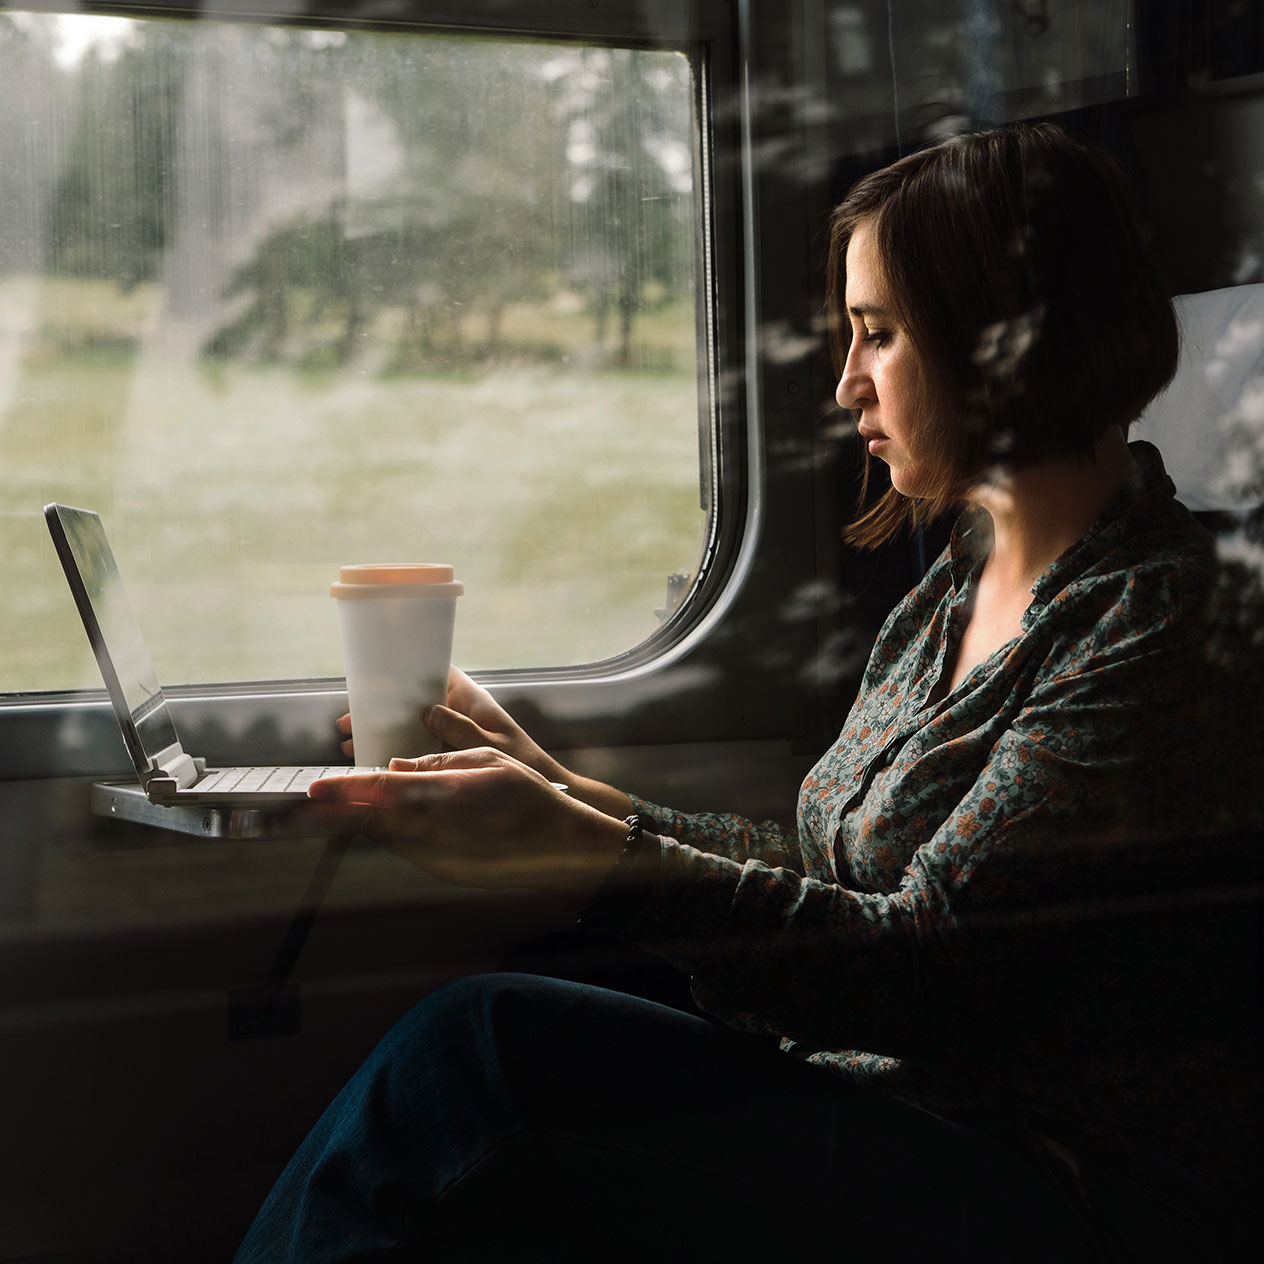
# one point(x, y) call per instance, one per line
point(1209, 423)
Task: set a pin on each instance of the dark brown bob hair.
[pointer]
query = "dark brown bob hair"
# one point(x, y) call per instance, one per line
point(1016, 263)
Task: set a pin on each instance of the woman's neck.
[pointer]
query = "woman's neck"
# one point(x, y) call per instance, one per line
point(1041, 511)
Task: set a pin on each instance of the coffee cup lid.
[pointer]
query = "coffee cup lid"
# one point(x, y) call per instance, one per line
point(368, 578)
point(396, 573)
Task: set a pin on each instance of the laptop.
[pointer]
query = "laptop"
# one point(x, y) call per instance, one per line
point(168, 775)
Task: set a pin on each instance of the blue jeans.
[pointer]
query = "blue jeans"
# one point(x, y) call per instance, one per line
point(518, 1118)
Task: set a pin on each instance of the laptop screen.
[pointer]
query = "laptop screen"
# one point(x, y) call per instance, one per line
point(114, 633)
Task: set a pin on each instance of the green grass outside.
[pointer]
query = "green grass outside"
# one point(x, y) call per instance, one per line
point(563, 490)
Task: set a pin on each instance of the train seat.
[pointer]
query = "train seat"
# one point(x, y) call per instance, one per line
point(1209, 422)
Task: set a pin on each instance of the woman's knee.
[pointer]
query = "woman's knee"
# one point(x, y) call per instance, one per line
point(474, 1010)
point(475, 1034)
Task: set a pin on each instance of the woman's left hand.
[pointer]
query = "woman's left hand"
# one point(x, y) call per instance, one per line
point(480, 818)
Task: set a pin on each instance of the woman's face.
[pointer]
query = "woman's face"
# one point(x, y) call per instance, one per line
point(883, 380)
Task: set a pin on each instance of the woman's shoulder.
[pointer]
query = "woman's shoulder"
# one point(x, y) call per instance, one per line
point(1146, 561)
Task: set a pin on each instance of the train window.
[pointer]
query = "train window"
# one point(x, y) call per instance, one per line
point(278, 298)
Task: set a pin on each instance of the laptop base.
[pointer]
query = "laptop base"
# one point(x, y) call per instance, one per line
point(127, 801)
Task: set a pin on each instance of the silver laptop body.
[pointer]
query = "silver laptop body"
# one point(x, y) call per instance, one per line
point(167, 773)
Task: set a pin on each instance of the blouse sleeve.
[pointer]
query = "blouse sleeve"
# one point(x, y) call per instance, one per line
point(733, 837)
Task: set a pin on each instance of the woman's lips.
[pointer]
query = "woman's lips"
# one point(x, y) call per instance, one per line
point(875, 440)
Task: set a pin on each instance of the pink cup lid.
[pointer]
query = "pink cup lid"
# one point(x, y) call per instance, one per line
point(396, 573)
point(374, 578)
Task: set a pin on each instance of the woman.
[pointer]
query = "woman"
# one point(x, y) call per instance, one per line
point(970, 1066)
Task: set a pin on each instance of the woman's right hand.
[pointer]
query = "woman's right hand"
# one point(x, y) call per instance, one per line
point(473, 718)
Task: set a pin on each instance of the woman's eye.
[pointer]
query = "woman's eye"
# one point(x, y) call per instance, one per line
point(879, 337)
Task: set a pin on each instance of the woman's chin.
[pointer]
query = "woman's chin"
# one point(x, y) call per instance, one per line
point(910, 481)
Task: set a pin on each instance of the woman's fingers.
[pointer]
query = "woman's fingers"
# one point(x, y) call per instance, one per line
point(449, 761)
point(463, 693)
point(400, 787)
point(455, 729)
point(371, 788)
point(343, 724)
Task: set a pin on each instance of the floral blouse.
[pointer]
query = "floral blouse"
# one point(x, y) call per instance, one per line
point(975, 910)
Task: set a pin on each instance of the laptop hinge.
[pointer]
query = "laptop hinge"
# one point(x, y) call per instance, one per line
point(173, 770)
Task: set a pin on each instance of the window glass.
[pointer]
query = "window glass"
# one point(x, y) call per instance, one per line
point(277, 299)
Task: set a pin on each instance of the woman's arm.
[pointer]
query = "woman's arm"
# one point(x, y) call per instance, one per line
point(472, 718)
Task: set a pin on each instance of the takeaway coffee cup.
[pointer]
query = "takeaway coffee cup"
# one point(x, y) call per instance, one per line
point(396, 645)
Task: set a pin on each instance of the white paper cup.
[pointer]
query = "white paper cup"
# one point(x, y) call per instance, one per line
point(397, 624)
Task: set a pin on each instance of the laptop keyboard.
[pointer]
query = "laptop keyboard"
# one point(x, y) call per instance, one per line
point(271, 779)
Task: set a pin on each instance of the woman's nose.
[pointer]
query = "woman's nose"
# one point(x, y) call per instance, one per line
point(851, 386)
